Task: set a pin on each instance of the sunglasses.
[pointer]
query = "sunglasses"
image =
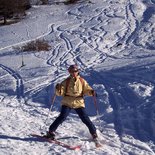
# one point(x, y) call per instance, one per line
point(74, 71)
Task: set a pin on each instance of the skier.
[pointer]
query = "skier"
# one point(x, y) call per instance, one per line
point(73, 90)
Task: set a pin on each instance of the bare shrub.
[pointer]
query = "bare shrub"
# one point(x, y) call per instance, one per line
point(71, 1)
point(44, 2)
point(38, 45)
point(67, 2)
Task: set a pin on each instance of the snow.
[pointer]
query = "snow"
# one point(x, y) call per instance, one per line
point(113, 44)
point(141, 89)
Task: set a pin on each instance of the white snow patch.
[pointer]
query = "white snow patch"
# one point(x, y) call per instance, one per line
point(142, 89)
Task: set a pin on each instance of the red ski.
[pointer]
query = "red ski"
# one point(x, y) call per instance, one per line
point(57, 142)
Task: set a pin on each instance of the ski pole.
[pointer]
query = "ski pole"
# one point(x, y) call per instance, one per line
point(97, 111)
point(52, 104)
point(95, 103)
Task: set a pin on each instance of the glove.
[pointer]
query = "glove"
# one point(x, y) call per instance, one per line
point(93, 93)
point(58, 86)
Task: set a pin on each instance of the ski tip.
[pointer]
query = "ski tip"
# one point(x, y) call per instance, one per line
point(77, 148)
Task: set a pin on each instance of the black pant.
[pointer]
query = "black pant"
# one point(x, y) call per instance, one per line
point(65, 112)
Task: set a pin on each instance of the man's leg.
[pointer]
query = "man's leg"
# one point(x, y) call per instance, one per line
point(85, 119)
point(63, 115)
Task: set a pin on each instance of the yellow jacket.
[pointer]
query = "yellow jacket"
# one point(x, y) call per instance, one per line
point(76, 89)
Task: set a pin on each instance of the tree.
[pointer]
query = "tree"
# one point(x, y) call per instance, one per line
point(44, 2)
point(71, 1)
point(9, 7)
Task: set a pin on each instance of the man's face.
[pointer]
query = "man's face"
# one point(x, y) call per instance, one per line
point(74, 72)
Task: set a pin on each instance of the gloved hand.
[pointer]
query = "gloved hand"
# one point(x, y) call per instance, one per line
point(93, 93)
point(58, 86)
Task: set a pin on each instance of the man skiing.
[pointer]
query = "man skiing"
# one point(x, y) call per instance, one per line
point(73, 90)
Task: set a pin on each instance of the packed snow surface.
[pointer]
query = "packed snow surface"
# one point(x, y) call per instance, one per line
point(113, 43)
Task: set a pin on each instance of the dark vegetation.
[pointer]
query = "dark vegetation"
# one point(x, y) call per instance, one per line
point(12, 10)
point(36, 46)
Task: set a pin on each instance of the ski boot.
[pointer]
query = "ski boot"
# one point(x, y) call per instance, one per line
point(95, 137)
point(96, 140)
point(49, 135)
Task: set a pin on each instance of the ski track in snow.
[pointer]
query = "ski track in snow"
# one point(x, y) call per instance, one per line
point(18, 79)
point(88, 35)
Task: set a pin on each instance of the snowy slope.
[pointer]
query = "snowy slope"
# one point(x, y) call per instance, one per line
point(113, 44)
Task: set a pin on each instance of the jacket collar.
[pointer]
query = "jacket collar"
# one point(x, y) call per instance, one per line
point(74, 77)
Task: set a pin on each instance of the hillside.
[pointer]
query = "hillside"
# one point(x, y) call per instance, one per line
point(112, 41)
